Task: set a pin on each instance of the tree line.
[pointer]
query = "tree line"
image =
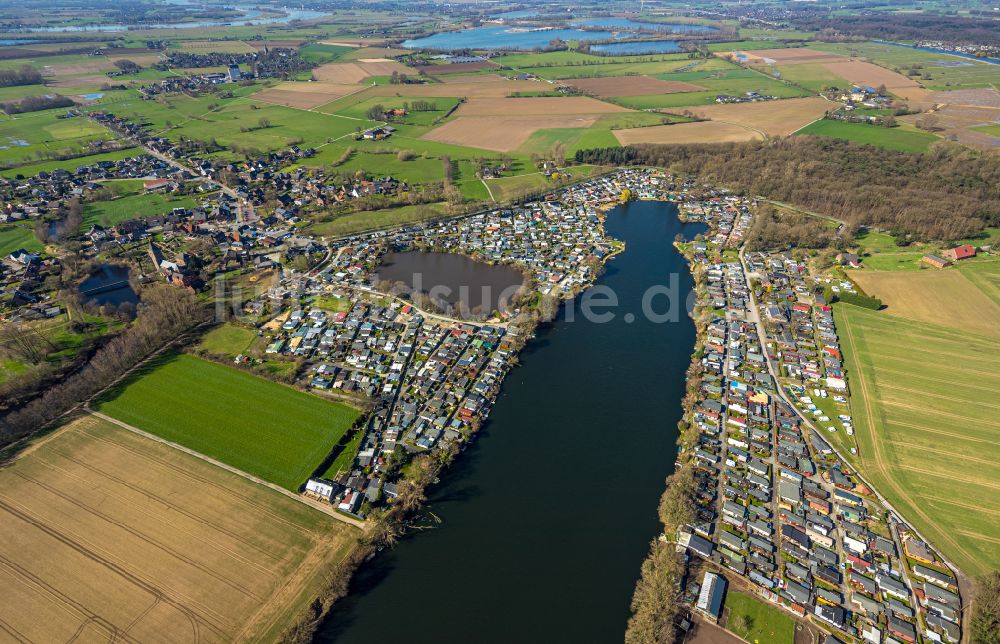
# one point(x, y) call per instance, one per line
point(947, 193)
point(24, 75)
point(36, 104)
point(165, 313)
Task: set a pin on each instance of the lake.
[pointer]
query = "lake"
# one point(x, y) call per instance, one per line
point(452, 279)
point(637, 47)
point(108, 286)
point(501, 37)
point(250, 17)
point(545, 519)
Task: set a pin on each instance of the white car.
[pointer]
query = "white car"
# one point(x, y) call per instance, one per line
point(832, 428)
point(850, 431)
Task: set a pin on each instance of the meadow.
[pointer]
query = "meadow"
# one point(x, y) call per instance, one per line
point(36, 135)
point(16, 236)
point(925, 415)
point(767, 623)
point(266, 429)
point(136, 205)
point(112, 532)
point(227, 340)
point(891, 138)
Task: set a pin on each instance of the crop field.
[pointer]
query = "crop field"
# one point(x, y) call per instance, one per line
point(220, 46)
point(282, 437)
point(946, 297)
point(862, 73)
point(936, 71)
point(349, 73)
point(789, 56)
point(632, 86)
point(697, 132)
point(305, 96)
point(500, 133)
point(925, 415)
point(539, 106)
point(895, 138)
point(108, 535)
point(774, 118)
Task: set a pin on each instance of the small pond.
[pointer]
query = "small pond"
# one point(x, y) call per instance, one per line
point(108, 286)
point(452, 281)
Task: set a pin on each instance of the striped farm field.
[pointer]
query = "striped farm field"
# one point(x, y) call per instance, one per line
point(263, 428)
point(107, 535)
point(923, 400)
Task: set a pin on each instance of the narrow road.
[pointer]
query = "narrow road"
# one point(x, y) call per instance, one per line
point(324, 508)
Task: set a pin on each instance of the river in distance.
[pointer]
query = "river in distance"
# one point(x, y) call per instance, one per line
point(545, 519)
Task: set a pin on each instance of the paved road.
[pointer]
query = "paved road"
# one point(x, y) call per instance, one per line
point(322, 507)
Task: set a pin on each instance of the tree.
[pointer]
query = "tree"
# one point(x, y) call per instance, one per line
point(127, 66)
point(654, 602)
point(984, 627)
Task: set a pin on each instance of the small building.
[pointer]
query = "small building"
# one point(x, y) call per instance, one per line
point(713, 588)
point(320, 489)
point(965, 251)
point(849, 259)
point(935, 261)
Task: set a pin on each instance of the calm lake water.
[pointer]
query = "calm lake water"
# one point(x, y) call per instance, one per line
point(640, 47)
point(250, 17)
point(454, 279)
point(501, 37)
point(108, 286)
point(547, 517)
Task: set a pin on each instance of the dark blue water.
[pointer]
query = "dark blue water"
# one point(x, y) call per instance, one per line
point(546, 518)
point(108, 286)
point(502, 37)
point(638, 47)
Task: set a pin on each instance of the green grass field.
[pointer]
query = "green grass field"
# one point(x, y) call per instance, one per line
point(386, 218)
point(767, 624)
point(32, 136)
point(228, 339)
point(16, 236)
point(134, 206)
point(992, 130)
point(925, 413)
point(892, 138)
point(261, 427)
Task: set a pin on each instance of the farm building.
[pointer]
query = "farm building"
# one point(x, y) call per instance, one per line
point(935, 261)
point(713, 587)
point(965, 251)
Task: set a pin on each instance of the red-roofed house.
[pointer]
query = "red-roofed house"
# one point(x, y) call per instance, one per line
point(965, 251)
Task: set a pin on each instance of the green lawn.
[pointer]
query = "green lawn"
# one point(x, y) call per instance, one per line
point(992, 130)
point(263, 428)
point(925, 415)
point(768, 625)
point(345, 458)
point(228, 339)
point(892, 138)
point(134, 206)
point(386, 218)
point(16, 236)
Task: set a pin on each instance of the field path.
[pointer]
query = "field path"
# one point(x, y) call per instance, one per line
point(326, 509)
